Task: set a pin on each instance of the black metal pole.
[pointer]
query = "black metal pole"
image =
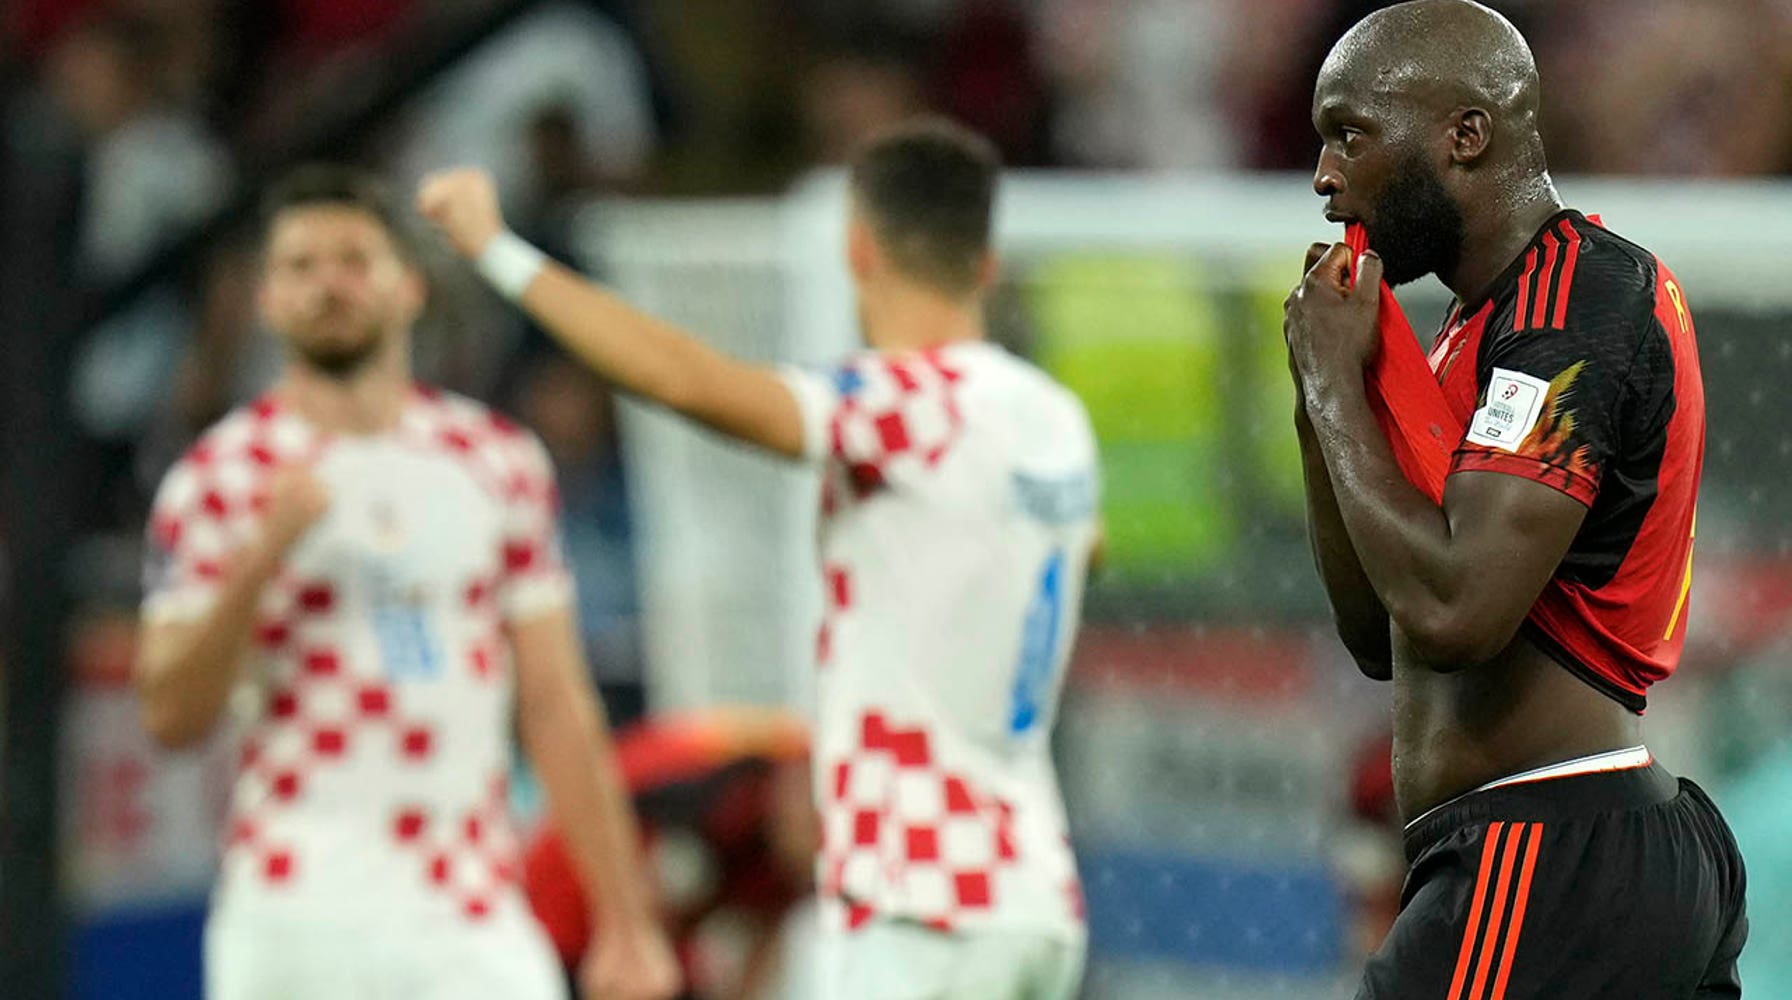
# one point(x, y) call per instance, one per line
point(37, 305)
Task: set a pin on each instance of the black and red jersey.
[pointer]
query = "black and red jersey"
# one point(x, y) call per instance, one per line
point(1579, 369)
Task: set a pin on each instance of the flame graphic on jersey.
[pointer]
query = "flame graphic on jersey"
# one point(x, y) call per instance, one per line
point(1552, 440)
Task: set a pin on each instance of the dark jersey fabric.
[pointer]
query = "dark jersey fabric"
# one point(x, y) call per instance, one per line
point(1579, 369)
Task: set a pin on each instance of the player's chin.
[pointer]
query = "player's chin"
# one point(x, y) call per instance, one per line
point(1396, 276)
point(337, 349)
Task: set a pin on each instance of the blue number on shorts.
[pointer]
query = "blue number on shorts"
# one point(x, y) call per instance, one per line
point(1038, 647)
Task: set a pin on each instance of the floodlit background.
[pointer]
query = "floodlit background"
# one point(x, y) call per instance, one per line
point(1224, 765)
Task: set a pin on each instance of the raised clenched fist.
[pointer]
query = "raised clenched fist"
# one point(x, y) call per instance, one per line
point(463, 204)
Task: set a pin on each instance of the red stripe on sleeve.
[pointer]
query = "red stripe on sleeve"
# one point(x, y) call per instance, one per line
point(1565, 282)
point(1540, 298)
point(1524, 289)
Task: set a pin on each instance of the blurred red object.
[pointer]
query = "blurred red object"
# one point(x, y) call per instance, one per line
point(733, 781)
point(33, 26)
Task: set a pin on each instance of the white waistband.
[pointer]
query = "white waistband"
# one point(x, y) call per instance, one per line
point(1610, 760)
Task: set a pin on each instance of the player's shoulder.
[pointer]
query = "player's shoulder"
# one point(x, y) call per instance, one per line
point(1594, 276)
point(1042, 417)
point(258, 435)
point(1030, 387)
point(461, 423)
point(224, 472)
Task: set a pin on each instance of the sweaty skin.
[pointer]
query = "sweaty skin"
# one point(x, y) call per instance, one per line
point(1435, 100)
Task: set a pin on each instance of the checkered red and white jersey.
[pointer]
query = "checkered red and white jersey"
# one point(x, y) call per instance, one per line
point(959, 508)
point(374, 711)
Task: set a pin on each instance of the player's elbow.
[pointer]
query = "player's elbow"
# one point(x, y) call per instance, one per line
point(1447, 638)
point(1369, 646)
point(1376, 668)
point(169, 719)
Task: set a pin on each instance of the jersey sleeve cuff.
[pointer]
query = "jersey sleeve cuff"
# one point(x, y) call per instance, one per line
point(1575, 484)
point(816, 401)
point(177, 606)
point(537, 595)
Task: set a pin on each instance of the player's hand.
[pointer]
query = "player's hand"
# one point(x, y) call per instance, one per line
point(1314, 253)
point(463, 204)
point(296, 500)
point(630, 962)
point(1329, 321)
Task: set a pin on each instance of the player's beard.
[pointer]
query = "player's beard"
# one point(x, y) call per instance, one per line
point(1417, 228)
point(337, 357)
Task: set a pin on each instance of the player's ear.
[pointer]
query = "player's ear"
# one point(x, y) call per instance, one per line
point(264, 295)
point(861, 247)
point(1470, 134)
point(989, 268)
point(415, 288)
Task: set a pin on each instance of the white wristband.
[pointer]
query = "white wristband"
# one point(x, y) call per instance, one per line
point(510, 263)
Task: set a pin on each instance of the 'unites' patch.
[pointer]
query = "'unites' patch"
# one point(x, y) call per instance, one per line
point(1513, 405)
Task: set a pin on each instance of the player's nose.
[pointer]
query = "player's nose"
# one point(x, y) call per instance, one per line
point(1328, 176)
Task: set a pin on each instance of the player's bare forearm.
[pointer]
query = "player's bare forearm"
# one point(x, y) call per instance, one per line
point(568, 741)
point(659, 362)
point(1362, 621)
point(1402, 539)
point(641, 354)
point(1457, 580)
point(186, 670)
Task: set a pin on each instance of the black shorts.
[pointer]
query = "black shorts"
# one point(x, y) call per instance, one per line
point(1624, 885)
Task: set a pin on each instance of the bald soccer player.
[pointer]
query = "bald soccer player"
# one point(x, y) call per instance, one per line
point(1523, 622)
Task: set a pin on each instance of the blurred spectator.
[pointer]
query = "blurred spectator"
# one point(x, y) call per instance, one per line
point(984, 75)
point(1664, 87)
point(33, 26)
point(563, 56)
point(733, 76)
point(851, 94)
point(152, 166)
point(312, 56)
point(1141, 82)
point(151, 169)
point(1630, 86)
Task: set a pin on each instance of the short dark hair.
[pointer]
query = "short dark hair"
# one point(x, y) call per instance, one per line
point(329, 184)
point(929, 186)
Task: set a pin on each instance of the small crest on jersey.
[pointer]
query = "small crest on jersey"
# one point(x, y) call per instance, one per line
point(1514, 404)
point(388, 530)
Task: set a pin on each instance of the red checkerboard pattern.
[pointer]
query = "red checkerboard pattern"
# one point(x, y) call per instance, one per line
point(903, 834)
point(324, 708)
point(837, 600)
point(514, 466)
point(897, 416)
point(211, 502)
point(312, 721)
point(472, 856)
